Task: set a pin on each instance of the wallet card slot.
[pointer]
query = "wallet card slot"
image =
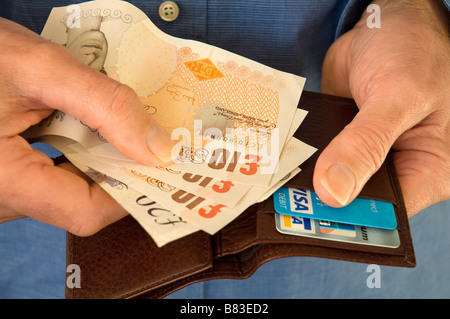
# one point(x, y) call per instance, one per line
point(268, 234)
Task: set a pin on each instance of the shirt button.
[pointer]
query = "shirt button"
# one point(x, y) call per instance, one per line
point(169, 11)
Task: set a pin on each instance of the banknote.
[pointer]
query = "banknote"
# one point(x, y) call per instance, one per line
point(233, 120)
point(227, 192)
point(163, 225)
point(201, 212)
point(231, 115)
point(160, 223)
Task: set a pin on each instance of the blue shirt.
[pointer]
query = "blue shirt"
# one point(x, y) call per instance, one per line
point(288, 35)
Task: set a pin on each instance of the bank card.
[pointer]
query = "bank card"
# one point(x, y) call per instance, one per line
point(361, 212)
point(307, 227)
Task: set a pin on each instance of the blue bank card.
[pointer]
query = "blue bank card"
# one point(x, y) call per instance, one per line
point(361, 212)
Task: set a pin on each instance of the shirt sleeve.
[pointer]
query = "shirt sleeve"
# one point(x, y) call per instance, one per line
point(351, 15)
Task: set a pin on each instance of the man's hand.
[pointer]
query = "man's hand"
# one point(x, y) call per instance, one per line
point(37, 77)
point(399, 77)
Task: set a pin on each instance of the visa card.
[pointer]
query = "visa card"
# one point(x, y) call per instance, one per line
point(360, 212)
point(307, 227)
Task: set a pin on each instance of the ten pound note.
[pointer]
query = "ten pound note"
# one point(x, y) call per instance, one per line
point(233, 120)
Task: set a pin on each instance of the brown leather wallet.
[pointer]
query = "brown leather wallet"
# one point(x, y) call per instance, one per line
point(122, 261)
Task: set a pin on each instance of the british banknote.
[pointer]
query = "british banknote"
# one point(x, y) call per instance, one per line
point(233, 118)
point(231, 115)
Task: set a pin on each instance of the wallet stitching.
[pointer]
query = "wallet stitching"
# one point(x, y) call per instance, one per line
point(143, 289)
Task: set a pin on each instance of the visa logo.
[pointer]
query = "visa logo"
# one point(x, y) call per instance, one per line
point(300, 200)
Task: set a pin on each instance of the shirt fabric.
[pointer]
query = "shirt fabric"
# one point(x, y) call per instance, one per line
point(289, 35)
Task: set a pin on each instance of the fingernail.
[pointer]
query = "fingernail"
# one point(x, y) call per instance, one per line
point(340, 183)
point(160, 143)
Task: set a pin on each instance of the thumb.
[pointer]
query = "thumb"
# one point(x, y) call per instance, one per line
point(354, 155)
point(63, 82)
